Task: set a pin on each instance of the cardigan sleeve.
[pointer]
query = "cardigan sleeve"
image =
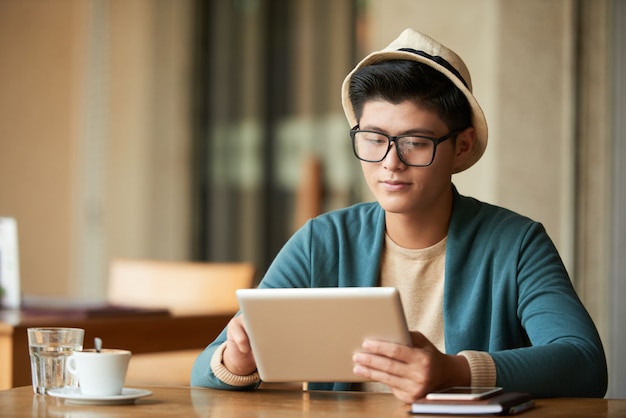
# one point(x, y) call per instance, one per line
point(565, 356)
point(508, 294)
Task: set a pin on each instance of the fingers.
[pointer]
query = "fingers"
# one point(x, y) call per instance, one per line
point(405, 382)
point(410, 372)
point(237, 336)
point(388, 350)
point(383, 360)
point(398, 351)
point(378, 368)
point(238, 357)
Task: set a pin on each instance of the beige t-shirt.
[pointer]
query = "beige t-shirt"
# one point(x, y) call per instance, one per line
point(418, 276)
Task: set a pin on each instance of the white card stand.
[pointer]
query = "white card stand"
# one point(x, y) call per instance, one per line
point(9, 265)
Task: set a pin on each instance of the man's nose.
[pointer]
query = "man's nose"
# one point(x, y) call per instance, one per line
point(392, 159)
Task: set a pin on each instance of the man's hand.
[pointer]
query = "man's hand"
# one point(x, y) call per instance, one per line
point(238, 357)
point(411, 372)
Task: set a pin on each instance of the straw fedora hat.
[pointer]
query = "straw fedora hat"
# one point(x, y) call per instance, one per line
point(415, 46)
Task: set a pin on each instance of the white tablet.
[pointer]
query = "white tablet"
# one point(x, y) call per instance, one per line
point(310, 334)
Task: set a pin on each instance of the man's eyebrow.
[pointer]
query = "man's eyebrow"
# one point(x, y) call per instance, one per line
point(412, 131)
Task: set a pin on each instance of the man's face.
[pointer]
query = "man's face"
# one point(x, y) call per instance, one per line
point(397, 187)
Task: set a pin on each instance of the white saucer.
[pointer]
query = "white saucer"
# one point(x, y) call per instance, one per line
point(73, 395)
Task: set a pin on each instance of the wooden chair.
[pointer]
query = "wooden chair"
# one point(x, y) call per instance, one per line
point(184, 288)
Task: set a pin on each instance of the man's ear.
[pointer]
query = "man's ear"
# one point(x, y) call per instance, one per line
point(464, 143)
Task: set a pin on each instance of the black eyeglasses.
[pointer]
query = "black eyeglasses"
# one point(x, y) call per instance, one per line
point(413, 150)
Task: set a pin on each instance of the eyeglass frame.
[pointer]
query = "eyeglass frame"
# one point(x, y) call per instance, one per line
point(391, 138)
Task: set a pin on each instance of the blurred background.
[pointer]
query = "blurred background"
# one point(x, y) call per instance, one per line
point(211, 130)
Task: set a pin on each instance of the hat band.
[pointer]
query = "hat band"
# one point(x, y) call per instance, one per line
point(439, 60)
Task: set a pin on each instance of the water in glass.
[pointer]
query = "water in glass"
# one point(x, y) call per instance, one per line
point(48, 367)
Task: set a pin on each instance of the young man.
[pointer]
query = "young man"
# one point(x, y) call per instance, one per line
point(485, 293)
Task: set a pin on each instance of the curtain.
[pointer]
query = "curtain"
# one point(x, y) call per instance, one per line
point(270, 135)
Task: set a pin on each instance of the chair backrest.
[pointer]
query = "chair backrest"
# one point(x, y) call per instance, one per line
point(180, 286)
point(310, 191)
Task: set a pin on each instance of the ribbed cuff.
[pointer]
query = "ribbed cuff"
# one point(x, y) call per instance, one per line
point(223, 374)
point(482, 368)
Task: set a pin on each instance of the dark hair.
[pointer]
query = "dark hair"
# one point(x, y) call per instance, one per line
point(399, 80)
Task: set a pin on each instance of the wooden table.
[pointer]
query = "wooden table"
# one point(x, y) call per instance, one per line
point(197, 402)
point(139, 332)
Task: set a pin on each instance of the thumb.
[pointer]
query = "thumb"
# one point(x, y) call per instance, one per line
point(419, 340)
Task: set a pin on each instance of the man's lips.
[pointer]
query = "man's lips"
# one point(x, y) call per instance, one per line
point(394, 184)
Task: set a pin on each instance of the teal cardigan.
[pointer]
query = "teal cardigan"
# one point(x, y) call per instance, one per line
point(506, 293)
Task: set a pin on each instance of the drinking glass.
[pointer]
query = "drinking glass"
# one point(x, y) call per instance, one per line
point(49, 350)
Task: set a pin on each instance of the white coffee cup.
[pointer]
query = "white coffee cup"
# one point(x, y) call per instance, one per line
point(100, 373)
